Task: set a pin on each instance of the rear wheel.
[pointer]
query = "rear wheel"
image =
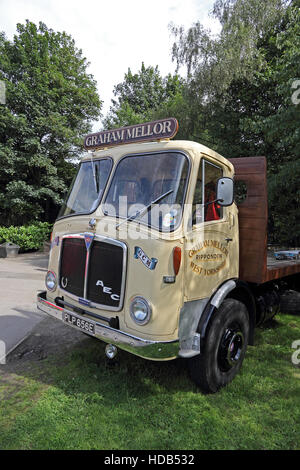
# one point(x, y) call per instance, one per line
point(224, 348)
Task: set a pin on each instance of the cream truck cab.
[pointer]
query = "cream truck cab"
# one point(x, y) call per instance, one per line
point(145, 253)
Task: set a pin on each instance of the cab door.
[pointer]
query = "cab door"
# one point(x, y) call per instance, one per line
point(212, 244)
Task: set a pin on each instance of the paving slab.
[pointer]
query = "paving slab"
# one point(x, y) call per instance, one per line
point(20, 280)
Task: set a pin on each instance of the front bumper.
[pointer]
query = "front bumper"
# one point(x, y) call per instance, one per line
point(155, 350)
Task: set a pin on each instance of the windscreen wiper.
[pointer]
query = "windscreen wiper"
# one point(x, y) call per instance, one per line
point(145, 209)
point(96, 180)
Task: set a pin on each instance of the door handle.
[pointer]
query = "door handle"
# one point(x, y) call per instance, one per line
point(228, 240)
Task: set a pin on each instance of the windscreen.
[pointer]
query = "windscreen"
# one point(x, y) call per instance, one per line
point(87, 188)
point(141, 180)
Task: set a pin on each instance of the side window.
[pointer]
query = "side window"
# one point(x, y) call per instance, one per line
point(204, 206)
point(198, 210)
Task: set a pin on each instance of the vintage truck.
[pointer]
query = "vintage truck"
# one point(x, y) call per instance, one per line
point(151, 254)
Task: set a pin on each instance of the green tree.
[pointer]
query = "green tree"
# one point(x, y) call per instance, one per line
point(140, 95)
point(241, 83)
point(214, 62)
point(51, 101)
point(281, 131)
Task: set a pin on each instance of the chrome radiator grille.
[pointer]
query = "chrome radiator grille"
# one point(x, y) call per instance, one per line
point(92, 269)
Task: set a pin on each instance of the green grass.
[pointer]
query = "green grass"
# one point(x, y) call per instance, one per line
point(77, 402)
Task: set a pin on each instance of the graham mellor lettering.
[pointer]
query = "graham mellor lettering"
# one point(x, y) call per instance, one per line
point(166, 128)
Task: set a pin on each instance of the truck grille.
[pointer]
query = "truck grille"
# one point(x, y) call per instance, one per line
point(94, 274)
point(72, 268)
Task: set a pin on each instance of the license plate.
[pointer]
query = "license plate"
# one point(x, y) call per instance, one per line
point(81, 324)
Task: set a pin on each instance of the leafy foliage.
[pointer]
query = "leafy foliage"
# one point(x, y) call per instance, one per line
point(50, 103)
point(140, 95)
point(284, 202)
point(213, 63)
point(30, 237)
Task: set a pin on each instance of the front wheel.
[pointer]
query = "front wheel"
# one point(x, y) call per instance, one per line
point(224, 349)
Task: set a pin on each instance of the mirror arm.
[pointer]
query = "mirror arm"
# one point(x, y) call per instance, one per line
point(212, 202)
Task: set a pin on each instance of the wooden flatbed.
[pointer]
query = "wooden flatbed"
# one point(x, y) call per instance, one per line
point(255, 264)
point(277, 269)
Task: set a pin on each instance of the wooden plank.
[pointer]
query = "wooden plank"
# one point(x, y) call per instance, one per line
point(253, 213)
point(282, 271)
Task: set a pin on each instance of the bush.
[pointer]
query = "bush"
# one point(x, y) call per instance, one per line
point(30, 237)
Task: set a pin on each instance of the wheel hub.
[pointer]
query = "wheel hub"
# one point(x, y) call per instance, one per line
point(231, 347)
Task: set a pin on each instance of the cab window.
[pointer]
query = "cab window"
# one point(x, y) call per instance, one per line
point(205, 209)
point(139, 180)
point(87, 188)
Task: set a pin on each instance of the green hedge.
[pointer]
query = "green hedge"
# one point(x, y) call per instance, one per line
point(30, 237)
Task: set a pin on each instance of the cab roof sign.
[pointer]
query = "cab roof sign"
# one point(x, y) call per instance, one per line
point(156, 130)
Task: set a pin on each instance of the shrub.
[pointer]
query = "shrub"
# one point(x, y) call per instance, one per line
point(29, 237)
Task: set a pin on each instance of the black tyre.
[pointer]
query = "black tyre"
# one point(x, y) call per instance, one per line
point(290, 302)
point(224, 349)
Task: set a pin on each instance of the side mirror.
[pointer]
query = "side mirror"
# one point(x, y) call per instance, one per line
point(225, 191)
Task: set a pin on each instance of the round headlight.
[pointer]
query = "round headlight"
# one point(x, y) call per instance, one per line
point(50, 280)
point(140, 310)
